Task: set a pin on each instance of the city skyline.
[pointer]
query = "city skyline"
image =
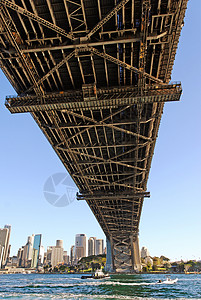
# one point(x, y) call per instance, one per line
point(167, 224)
point(33, 254)
point(53, 255)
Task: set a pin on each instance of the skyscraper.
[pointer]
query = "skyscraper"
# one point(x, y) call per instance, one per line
point(1, 255)
point(57, 253)
point(49, 255)
point(28, 252)
point(99, 246)
point(72, 255)
point(41, 255)
point(144, 252)
point(59, 243)
point(30, 242)
point(20, 255)
point(4, 243)
point(8, 240)
point(65, 258)
point(80, 246)
point(91, 246)
point(36, 250)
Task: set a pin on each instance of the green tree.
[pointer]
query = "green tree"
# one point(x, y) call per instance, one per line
point(46, 268)
point(62, 268)
point(155, 268)
point(145, 269)
point(56, 269)
point(149, 267)
point(167, 265)
point(187, 267)
point(163, 258)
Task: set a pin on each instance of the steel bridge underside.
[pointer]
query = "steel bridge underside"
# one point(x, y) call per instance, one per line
point(95, 76)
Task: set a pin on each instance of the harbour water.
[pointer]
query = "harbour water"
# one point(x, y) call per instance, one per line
point(143, 286)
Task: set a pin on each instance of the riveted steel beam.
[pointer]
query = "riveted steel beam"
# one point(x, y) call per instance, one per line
point(33, 17)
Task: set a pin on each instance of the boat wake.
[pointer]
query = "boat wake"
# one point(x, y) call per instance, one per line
point(69, 296)
point(86, 283)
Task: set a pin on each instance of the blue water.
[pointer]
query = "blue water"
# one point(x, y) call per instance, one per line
point(51, 286)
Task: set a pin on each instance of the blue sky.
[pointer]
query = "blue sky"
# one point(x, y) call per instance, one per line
point(170, 222)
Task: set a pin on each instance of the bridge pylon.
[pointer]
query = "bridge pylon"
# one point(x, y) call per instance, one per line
point(123, 255)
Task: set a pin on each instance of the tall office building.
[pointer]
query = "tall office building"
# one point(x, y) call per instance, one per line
point(91, 246)
point(99, 246)
point(1, 255)
point(8, 240)
point(30, 242)
point(80, 246)
point(28, 251)
point(72, 255)
point(36, 250)
point(49, 255)
point(65, 258)
point(45, 259)
point(144, 252)
point(59, 243)
point(79, 253)
point(41, 255)
point(20, 255)
point(9, 248)
point(4, 243)
point(57, 253)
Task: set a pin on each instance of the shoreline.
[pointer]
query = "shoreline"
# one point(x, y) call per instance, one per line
point(29, 272)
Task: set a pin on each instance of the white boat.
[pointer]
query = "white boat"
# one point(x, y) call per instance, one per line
point(97, 275)
point(168, 281)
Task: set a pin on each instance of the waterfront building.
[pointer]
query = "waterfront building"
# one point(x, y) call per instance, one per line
point(72, 255)
point(49, 255)
point(30, 242)
point(45, 259)
point(79, 253)
point(80, 241)
point(144, 252)
point(65, 258)
point(149, 260)
point(7, 248)
point(28, 252)
point(59, 243)
point(20, 254)
point(4, 243)
point(91, 246)
point(80, 246)
point(57, 253)
point(41, 255)
point(36, 250)
point(68, 260)
point(12, 262)
point(1, 255)
point(99, 246)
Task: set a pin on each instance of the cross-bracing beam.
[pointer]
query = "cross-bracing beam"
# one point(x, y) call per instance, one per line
point(103, 55)
point(121, 63)
point(73, 101)
point(33, 17)
point(107, 18)
point(55, 68)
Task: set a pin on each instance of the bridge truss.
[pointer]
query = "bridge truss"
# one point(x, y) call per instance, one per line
point(95, 76)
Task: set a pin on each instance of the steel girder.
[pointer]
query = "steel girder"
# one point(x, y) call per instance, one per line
point(65, 75)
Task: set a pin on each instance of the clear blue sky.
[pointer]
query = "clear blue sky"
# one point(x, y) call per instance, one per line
point(170, 222)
